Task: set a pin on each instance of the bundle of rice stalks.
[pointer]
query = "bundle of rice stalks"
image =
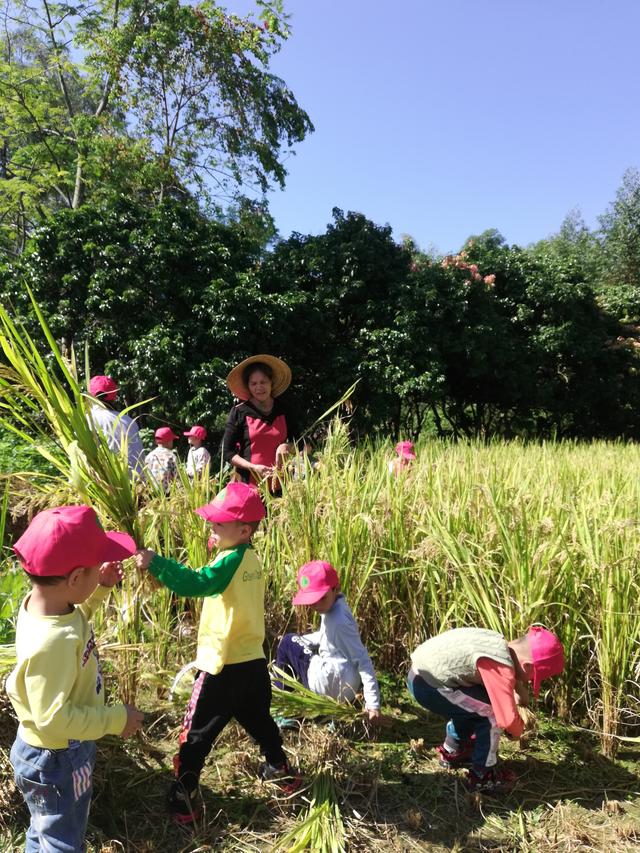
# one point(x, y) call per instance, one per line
point(321, 828)
point(298, 701)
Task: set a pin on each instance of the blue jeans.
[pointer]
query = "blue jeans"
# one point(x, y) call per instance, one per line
point(56, 785)
point(469, 712)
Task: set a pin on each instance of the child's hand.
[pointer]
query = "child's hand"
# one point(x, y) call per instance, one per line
point(143, 557)
point(111, 573)
point(522, 696)
point(375, 717)
point(134, 722)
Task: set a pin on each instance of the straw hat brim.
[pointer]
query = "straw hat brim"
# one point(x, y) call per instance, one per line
point(280, 382)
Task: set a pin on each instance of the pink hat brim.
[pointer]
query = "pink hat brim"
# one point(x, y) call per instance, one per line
point(310, 596)
point(119, 547)
point(210, 513)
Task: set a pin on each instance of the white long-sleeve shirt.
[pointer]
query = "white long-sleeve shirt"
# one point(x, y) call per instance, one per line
point(342, 664)
point(197, 459)
point(117, 429)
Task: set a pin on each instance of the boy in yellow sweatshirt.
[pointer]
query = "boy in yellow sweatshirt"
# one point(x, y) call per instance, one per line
point(56, 687)
point(232, 679)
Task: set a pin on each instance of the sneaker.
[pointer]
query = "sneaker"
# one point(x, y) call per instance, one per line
point(496, 780)
point(184, 803)
point(455, 760)
point(283, 775)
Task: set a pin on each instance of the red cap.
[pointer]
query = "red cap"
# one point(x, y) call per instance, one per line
point(165, 434)
point(405, 449)
point(236, 502)
point(103, 386)
point(65, 538)
point(547, 655)
point(315, 579)
point(197, 432)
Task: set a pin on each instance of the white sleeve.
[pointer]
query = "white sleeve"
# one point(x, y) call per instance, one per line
point(349, 642)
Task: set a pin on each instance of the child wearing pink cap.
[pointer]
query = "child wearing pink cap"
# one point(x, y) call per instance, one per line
point(404, 459)
point(333, 660)
point(118, 429)
point(161, 461)
point(199, 458)
point(56, 687)
point(232, 679)
point(476, 679)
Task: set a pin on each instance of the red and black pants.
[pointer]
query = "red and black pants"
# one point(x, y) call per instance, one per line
point(240, 691)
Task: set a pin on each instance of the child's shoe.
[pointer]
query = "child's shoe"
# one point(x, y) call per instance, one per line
point(495, 780)
point(184, 802)
point(456, 759)
point(283, 775)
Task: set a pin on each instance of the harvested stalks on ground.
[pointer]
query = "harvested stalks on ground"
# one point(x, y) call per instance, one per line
point(297, 701)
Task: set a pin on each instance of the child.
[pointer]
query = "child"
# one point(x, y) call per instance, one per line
point(232, 679)
point(56, 687)
point(117, 428)
point(405, 457)
point(161, 462)
point(331, 661)
point(199, 458)
point(477, 679)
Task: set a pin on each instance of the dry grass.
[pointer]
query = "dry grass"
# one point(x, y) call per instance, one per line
point(390, 791)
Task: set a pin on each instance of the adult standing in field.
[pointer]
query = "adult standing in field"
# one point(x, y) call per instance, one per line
point(116, 427)
point(260, 430)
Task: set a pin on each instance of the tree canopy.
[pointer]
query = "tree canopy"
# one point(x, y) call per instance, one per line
point(107, 97)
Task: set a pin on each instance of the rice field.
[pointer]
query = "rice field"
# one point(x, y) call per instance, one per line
point(490, 534)
point(500, 535)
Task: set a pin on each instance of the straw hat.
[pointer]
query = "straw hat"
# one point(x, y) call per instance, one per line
point(280, 382)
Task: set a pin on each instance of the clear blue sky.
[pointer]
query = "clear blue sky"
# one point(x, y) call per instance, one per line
point(447, 117)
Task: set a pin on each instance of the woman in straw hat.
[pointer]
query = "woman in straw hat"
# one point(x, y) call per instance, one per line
point(259, 430)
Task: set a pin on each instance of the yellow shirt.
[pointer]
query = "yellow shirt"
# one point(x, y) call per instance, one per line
point(232, 619)
point(56, 688)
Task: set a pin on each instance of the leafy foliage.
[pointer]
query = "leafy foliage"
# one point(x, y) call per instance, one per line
point(122, 96)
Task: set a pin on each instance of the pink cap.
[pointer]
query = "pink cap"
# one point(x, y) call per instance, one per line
point(65, 538)
point(315, 579)
point(165, 434)
point(547, 655)
point(103, 386)
point(405, 449)
point(197, 432)
point(236, 502)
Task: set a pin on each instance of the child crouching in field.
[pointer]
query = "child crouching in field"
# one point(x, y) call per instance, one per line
point(56, 687)
point(477, 679)
point(232, 679)
point(331, 661)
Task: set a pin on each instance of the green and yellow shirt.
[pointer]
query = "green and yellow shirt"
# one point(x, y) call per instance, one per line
point(232, 621)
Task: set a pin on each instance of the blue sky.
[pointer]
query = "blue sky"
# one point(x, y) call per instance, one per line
point(447, 117)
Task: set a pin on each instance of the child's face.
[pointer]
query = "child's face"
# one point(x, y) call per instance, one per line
point(193, 441)
point(230, 533)
point(327, 601)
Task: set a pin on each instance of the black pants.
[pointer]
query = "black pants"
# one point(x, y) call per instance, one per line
point(241, 691)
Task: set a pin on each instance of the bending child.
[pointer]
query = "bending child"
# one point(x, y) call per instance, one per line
point(56, 688)
point(474, 677)
point(331, 661)
point(232, 679)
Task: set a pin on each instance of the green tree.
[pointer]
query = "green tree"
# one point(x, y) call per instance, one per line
point(112, 96)
point(618, 275)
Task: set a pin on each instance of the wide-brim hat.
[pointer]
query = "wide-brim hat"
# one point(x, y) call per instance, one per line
point(280, 381)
